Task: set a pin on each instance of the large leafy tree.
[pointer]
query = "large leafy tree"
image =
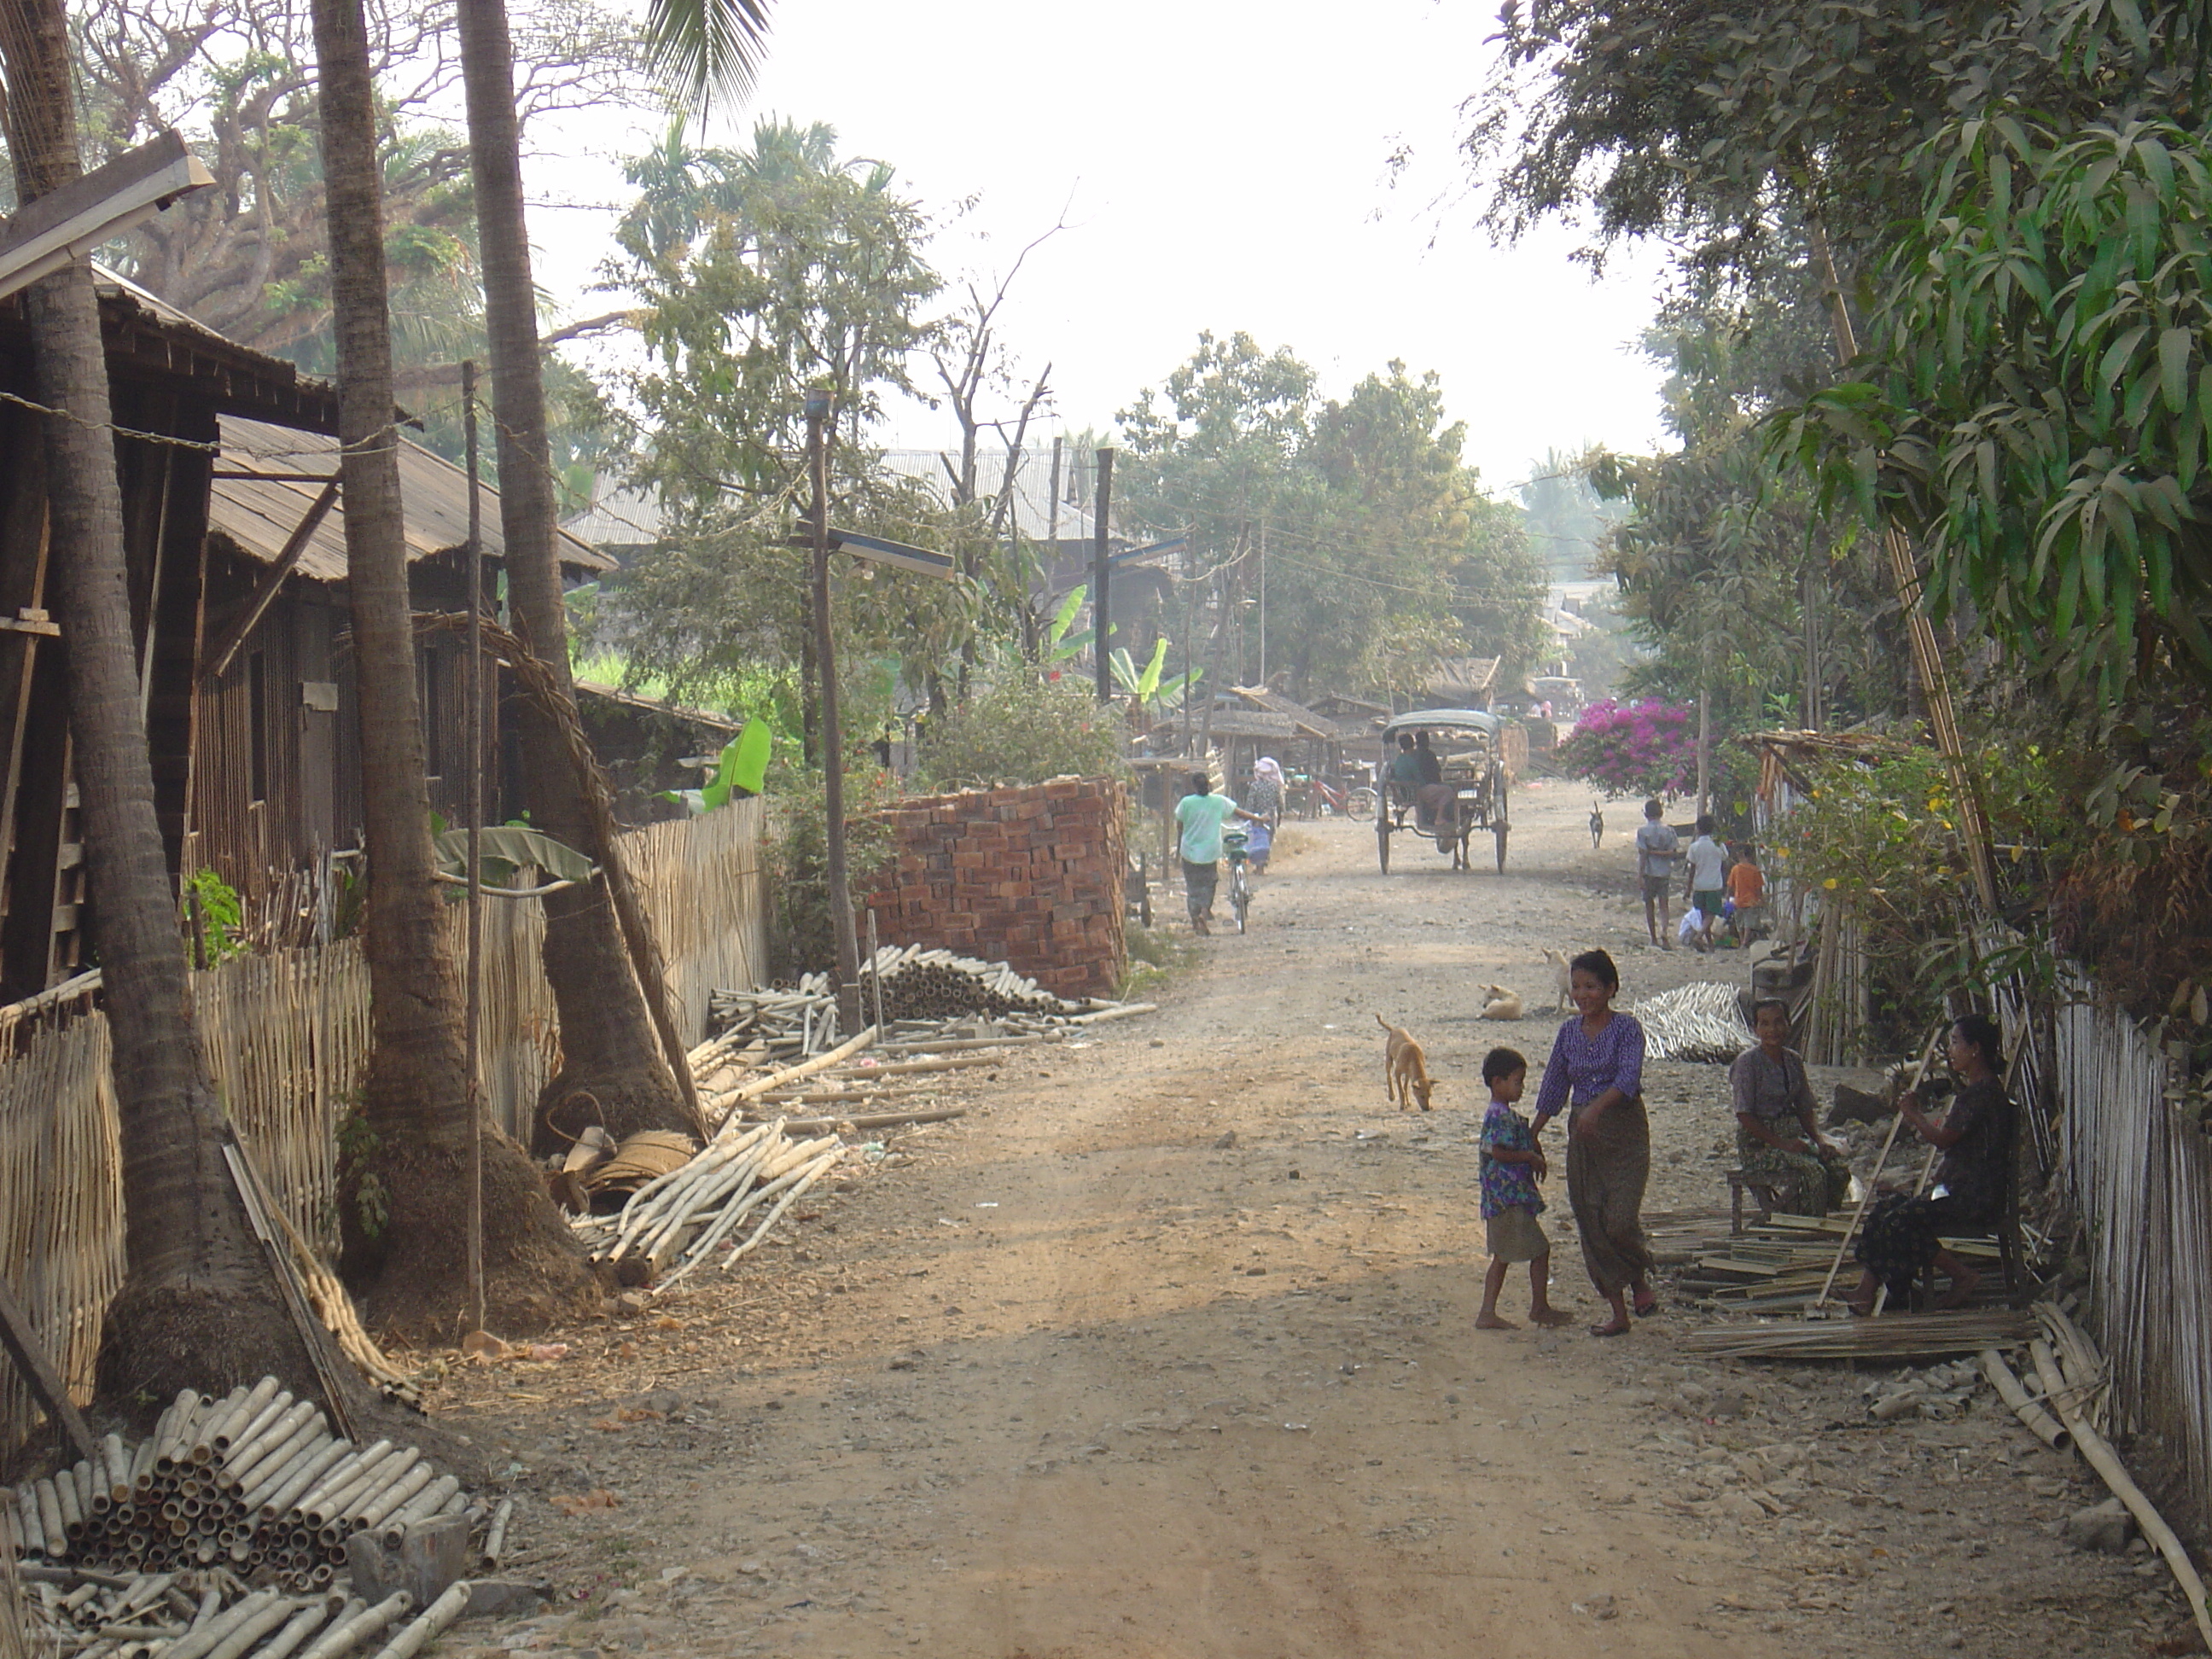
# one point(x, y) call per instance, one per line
point(760, 272)
point(250, 258)
point(1383, 553)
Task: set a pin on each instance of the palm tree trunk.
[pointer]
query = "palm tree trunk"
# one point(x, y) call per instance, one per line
point(609, 1047)
point(405, 1200)
point(200, 1305)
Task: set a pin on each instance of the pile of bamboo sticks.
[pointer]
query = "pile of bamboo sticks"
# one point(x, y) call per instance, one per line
point(253, 1482)
point(1894, 1336)
point(901, 984)
point(677, 1221)
point(1699, 1021)
point(214, 1615)
point(1778, 1266)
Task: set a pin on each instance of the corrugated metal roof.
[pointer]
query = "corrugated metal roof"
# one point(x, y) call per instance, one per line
point(258, 515)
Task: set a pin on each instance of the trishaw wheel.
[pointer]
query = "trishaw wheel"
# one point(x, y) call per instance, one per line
point(1501, 849)
point(1383, 839)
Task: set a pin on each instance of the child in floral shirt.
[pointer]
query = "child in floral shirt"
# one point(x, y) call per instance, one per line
point(1512, 1165)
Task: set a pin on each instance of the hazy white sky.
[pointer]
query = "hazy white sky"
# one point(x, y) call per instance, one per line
point(1223, 166)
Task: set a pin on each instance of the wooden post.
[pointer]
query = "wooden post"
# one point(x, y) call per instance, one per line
point(37, 1369)
point(818, 406)
point(472, 1023)
point(1100, 611)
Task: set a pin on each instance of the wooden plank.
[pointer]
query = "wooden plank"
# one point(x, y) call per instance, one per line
point(37, 1368)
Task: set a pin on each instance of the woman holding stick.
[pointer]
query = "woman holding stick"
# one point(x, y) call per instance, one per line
point(1903, 1235)
point(1596, 1073)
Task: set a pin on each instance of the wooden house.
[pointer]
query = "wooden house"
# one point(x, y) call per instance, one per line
point(238, 605)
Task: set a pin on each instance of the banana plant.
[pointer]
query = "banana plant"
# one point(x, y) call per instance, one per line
point(1058, 644)
point(1152, 692)
point(741, 770)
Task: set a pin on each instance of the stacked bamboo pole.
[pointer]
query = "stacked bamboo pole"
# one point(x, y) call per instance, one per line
point(253, 1482)
point(917, 988)
point(677, 1221)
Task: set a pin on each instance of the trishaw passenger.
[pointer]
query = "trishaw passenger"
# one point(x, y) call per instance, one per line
point(1432, 770)
point(1405, 771)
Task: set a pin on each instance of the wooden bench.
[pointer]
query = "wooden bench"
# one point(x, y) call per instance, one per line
point(1762, 1189)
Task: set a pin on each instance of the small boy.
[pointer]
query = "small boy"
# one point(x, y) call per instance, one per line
point(1703, 885)
point(1657, 847)
point(1512, 1165)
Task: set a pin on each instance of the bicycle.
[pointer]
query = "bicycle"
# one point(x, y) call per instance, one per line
point(1355, 801)
point(1235, 843)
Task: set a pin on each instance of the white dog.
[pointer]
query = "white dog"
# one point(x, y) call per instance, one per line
point(1566, 980)
point(1499, 1003)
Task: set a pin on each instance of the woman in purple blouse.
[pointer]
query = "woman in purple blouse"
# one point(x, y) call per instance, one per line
point(1596, 1073)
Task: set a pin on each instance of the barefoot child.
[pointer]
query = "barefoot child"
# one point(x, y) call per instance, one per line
point(1512, 1165)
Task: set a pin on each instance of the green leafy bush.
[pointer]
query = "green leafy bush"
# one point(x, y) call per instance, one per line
point(1023, 730)
point(798, 857)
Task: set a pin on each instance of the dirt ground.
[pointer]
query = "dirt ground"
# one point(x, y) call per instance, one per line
point(1168, 1349)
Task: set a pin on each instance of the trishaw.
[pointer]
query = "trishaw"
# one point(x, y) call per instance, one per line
point(1472, 793)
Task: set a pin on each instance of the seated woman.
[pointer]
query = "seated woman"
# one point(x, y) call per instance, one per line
point(1776, 1141)
point(1903, 1235)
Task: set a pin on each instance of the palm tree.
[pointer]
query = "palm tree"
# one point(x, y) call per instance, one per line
point(609, 1049)
point(200, 1303)
point(406, 1195)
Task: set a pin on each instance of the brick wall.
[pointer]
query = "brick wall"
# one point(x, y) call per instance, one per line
point(1031, 877)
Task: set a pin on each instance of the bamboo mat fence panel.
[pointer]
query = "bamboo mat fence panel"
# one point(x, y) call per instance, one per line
point(288, 1036)
point(2141, 1178)
point(61, 1201)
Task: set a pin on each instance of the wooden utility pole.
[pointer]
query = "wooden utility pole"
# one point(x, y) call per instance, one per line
point(472, 1017)
point(1101, 613)
point(819, 405)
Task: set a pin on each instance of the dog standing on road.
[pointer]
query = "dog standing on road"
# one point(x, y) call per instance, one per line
point(1565, 979)
point(1405, 1068)
point(1597, 827)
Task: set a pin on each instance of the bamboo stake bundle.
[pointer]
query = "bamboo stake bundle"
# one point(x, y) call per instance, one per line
point(279, 1500)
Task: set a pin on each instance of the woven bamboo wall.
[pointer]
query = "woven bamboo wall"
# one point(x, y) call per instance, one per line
point(287, 1036)
point(61, 1201)
point(2142, 1177)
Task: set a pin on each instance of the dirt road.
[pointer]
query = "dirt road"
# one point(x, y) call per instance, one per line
point(1168, 1350)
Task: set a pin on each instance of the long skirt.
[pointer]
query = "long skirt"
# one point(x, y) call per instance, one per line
point(1903, 1234)
point(1606, 1173)
point(1198, 881)
point(1805, 1183)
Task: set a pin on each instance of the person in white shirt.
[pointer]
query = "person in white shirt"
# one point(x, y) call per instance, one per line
point(1704, 883)
point(1657, 847)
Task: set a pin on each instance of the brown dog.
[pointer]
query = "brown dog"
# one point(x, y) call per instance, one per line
point(1405, 1068)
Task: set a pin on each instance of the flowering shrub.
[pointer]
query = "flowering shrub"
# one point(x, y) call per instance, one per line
point(1633, 749)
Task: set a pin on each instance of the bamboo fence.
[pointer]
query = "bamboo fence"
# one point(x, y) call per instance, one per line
point(287, 1036)
point(2141, 1175)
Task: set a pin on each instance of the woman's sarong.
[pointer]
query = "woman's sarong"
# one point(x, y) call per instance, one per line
point(1606, 1169)
point(1803, 1184)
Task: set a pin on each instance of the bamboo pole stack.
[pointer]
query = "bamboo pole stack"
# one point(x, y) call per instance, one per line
point(214, 1615)
point(252, 1483)
point(919, 989)
point(677, 1221)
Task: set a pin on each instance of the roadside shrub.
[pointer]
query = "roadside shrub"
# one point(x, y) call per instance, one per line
point(1023, 730)
point(798, 857)
point(1633, 749)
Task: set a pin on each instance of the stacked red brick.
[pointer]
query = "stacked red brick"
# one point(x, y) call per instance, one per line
point(1030, 876)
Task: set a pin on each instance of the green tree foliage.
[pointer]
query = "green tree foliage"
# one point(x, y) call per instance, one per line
point(1732, 578)
point(762, 272)
point(1384, 554)
point(1024, 729)
point(2035, 397)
